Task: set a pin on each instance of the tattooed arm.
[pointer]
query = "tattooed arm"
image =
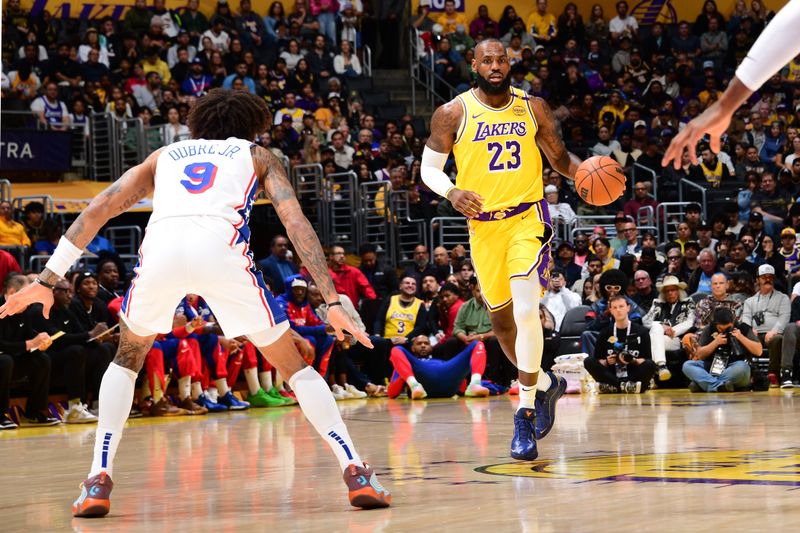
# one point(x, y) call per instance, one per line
point(562, 161)
point(135, 184)
point(444, 128)
point(272, 176)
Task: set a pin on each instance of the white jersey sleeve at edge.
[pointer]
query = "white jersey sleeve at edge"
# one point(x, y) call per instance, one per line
point(773, 49)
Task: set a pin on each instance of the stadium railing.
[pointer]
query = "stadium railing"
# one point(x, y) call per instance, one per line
point(124, 239)
point(367, 61)
point(642, 173)
point(685, 184)
point(409, 231)
point(5, 191)
point(340, 192)
point(421, 69)
point(307, 183)
point(667, 213)
point(448, 232)
point(374, 220)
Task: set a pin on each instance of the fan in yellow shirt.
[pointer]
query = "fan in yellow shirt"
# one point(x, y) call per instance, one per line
point(542, 24)
point(450, 19)
point(11, 233)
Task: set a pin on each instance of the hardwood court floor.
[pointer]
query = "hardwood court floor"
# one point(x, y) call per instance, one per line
point(661, 461)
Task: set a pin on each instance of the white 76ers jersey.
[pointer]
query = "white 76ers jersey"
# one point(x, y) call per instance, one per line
point(202, 178)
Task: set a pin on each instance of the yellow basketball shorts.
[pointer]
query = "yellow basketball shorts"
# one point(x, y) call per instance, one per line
point(509, 248)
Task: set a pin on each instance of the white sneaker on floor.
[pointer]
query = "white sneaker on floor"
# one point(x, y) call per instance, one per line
point(354, 392)
point(339, 393)
point(79, 414)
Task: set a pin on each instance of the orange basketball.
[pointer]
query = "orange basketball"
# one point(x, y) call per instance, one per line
point(599, 180)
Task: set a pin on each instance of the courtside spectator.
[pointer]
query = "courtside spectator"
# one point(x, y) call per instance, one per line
point(33, 221)
point(8, 265)
point(23, 353)
point(645, 293)
point(768, 313)
point(721, 363)
point(565, 262)
point(700, 280)
point(81, 361)
point(108, 280)
point(558, 299)
point(278, 266)
point(383, 279)
point(670, 317)
point(347, 279)
point(611, 283)
point(402, 316)
point(12, 233)
point(305, 322)
point(422, 266)
point(428, 377)
point(621, 361)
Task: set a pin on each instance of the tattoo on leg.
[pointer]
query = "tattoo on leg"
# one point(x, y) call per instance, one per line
point(132, 351)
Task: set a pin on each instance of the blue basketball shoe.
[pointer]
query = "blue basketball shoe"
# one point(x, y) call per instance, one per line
point(232, 402)
point(546, 405)
point(523, 445)
point(212, 406)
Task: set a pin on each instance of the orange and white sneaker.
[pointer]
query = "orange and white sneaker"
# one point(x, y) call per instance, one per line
point(94, 500)
point(364, 489)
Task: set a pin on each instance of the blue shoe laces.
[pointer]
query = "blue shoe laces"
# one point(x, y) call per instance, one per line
point(523, 428)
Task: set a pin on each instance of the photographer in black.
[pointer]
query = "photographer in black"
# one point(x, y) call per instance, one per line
point(721, 361)
point(622, 361)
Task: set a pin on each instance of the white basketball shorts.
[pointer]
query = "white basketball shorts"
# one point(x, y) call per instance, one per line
point(196, 255)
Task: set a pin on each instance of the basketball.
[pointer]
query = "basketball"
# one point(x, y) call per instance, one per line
point(599, 180)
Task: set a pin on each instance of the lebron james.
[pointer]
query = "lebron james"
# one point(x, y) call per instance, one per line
point(495, 133)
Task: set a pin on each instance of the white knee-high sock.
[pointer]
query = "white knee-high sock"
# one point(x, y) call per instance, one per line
point(222, 386)
point(197, 390)
point(184, 387)
point(116, 395)
point(320, 408)
point(251, 375)
point(530, 338)
point(265, 378)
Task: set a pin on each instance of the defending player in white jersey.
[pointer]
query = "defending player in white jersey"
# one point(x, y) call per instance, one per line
point(203, 190)
point(774, 48)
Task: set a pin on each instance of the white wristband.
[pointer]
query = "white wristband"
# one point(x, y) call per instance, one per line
point(64, 257)
point(431, 171)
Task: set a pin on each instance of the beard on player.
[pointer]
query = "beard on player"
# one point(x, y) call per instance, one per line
point(492, 89)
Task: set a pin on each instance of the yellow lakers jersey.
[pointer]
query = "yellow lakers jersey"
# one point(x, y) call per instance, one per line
point(400, 320)
point(496, 152)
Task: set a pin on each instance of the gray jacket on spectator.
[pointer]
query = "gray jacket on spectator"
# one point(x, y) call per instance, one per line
point(776, 309)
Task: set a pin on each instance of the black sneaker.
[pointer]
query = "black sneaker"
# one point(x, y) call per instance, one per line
point(39, 419)
point(6, 422)
point(786, 378)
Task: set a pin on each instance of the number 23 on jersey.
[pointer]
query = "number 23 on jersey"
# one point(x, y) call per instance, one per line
point(505, 156)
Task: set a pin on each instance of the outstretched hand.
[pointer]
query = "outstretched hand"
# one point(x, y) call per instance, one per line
point(714, 121)
point(342, 323)
point(31, 294)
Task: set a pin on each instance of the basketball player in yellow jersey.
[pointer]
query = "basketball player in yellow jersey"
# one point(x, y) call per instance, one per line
point(493, 131)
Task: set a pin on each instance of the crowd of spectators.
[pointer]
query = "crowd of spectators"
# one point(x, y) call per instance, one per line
point(676, 309)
